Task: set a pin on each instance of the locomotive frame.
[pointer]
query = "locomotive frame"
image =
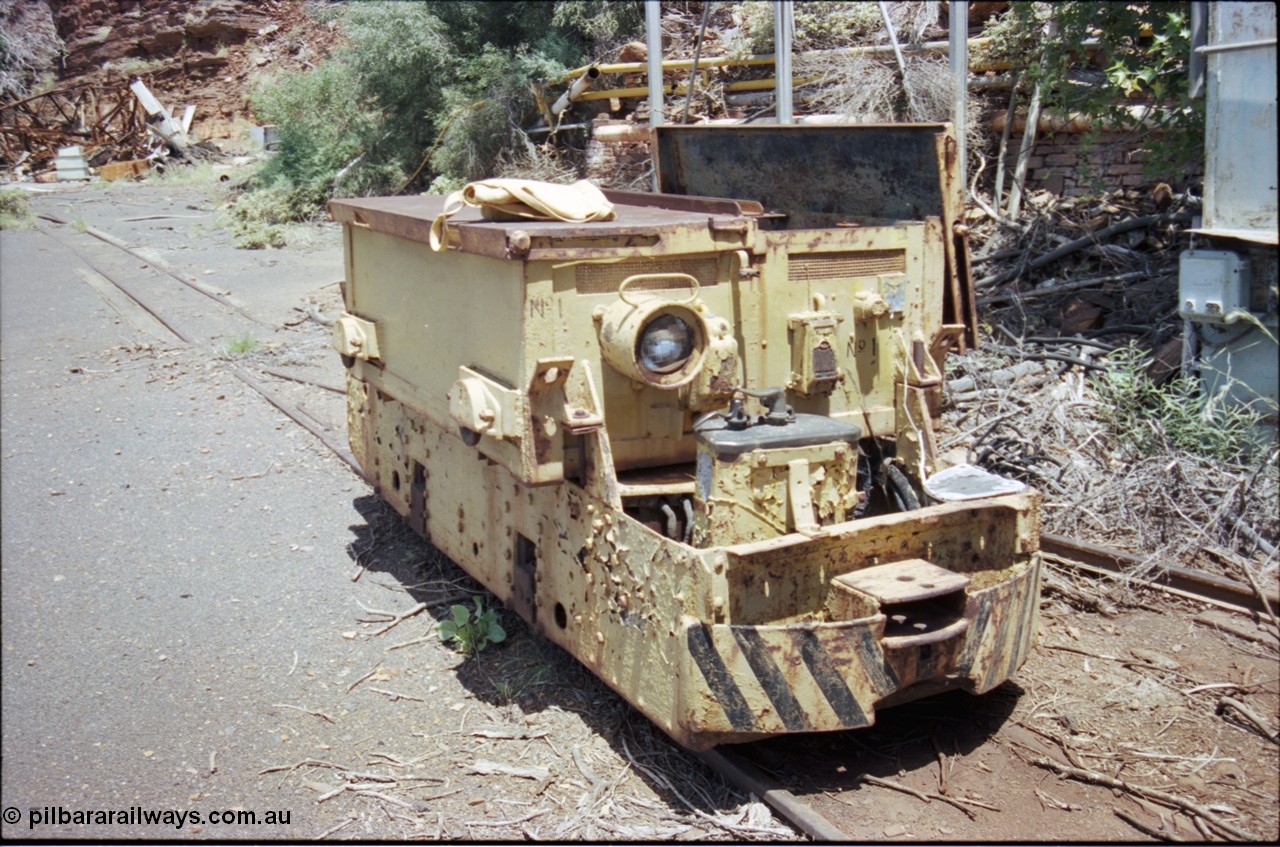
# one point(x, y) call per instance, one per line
point(562, 409)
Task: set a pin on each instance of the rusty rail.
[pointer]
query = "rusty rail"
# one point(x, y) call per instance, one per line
point(295, 414)
point(1095, 558)
point(751, 779)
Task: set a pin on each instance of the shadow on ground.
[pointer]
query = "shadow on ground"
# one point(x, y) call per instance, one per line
point(532, 674)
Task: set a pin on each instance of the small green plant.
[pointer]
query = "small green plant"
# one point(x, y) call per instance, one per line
point(258, 218)
point(522, 682)
point(15, 210)
point(1151, 418)
point(471, 632)
point(241, 344)
point(179, 173)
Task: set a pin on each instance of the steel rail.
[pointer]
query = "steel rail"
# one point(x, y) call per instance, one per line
point(1080, 555)
point(732, 767)
point(751, 779)
point(165, 267)
point(1196, 584)
point(272, 397)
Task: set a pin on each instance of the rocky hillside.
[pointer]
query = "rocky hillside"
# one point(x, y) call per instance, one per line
point(205, 53)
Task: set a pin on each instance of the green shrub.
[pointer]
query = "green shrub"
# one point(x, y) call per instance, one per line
point(1141, 57)
point(15, 209)
point(1151, 418)
point(819, 25)
point(605, 23)
point(422, 94)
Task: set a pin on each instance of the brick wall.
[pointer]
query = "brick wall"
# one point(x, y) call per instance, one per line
point(1062, 163)
point(617, 164)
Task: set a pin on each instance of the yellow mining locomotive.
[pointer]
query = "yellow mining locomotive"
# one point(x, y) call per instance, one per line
point(689, 440)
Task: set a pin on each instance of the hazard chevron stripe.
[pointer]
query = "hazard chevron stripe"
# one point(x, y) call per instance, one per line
point(721, 683)
point(741, 663)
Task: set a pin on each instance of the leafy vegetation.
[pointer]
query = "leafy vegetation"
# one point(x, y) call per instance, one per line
point(1101, 59)
point(1151, 418)
point(15, 209)
point(472, 632)
point(819, 25)
point(241, 344)
point(424, 94)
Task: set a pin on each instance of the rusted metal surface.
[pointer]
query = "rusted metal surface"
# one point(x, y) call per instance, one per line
point(818, 175)
point(752, 780)
point(107, 122)
point(714, 576)
point(1183, 580)
point(640, 231)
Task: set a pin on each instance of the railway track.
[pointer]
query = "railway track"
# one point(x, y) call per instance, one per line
point(1096, 560)
point(1090, 560)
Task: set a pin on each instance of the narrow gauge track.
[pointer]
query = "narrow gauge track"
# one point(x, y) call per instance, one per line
point(739, 767)
point(1096, 560)
point(274, 398)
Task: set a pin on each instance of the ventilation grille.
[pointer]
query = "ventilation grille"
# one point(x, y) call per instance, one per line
point(808, 267)
point(605, 278)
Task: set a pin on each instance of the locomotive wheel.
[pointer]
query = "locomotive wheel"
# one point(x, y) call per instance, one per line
point(900, 489)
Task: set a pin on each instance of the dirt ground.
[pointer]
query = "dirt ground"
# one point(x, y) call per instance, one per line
point(383, 732)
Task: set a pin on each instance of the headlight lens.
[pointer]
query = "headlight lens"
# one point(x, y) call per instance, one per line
point(665, 345)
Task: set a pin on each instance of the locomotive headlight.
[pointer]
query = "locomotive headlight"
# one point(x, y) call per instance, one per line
point(652, 339)
point(666, 343)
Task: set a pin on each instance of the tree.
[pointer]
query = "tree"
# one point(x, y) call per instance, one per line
point(1098, 59)
point(423, 94)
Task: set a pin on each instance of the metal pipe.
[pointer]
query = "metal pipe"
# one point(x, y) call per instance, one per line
point(706, 64)
point(959, 60)
point(782, 61)
point(1199, 38)
point(697, 53)
point(677, 89)
point(1239, 45)
point(621, 132)
point(672, 527)
point(653, 38)
point(580, 85)
point(897, 55)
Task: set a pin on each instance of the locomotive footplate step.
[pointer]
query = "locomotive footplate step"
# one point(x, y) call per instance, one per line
point(904, 582)
point(923, 603)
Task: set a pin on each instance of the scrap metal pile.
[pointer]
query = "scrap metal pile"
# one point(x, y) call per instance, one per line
point(109, 123)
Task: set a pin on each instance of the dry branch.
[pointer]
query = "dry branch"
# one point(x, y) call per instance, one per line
point(1253, 717)
point(402, 617)
point(311, 712)
point(1171, 800)
point(488, 768)
point(331, 830)
point(527, 817)
point(1145, 828)
point(1106, 232)
point(954, 801)
point(395, 695)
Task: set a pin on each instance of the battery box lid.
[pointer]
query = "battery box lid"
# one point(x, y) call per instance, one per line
point(805, 431)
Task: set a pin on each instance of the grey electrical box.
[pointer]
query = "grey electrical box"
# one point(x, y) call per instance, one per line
point(1213, 285)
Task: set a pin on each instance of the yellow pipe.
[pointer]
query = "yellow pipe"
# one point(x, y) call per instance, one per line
point(679, 88)
point(767, 59)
